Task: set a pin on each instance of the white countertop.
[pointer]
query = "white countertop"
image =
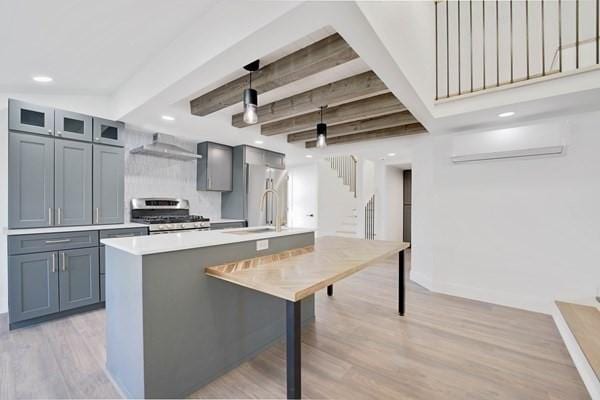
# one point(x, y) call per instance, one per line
point(164, 243)
point(226, 221)
point(58, 229)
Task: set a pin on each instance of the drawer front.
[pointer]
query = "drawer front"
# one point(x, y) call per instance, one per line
point(227, 225)
point(128, 232)
point(24, 244)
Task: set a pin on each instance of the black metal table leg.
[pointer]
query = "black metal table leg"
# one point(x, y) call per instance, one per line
point(401, 288)
point(294, 383)
point(330, 290)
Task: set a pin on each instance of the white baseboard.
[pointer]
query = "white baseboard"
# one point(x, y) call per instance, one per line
point(529, 303)
point(421, 279)
point(586, 372)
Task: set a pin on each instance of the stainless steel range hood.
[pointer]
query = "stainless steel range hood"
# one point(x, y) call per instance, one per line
point(160, 147)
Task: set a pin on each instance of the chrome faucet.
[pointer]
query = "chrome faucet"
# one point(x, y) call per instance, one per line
point(278, 215)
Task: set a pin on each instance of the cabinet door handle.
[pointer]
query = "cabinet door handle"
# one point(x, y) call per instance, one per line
point(58, 216)
point(53, 262)
point(57, 241)
point(64, 261)
point(209, 183)
point(50, 212)
point(97, 215)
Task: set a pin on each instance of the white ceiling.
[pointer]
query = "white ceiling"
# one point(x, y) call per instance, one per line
point(88, 47)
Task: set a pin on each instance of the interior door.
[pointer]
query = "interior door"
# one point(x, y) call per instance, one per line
point(303, 197)
point(256, 184)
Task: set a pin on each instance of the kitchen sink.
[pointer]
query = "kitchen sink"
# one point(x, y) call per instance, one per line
point(251, 231)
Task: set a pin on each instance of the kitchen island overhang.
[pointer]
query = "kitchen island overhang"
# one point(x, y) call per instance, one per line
point(170, 328)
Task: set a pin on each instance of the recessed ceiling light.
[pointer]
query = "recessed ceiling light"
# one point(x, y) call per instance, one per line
point(258, 142)
point(391, 154)
point(168, 118)
point(506, 114)
point(308, 156)
point(42, 79)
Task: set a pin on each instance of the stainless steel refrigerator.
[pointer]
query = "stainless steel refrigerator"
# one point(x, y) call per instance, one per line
point(253, 174)
point(259, 179)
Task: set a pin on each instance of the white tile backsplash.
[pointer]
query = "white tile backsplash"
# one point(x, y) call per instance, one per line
point(149, 176)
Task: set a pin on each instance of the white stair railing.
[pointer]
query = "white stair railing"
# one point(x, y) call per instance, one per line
point(370, 219)
point(345, 166)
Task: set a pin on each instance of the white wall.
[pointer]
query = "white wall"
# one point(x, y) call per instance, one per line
point(389, 210)
point(520, 232)
point(148, 176)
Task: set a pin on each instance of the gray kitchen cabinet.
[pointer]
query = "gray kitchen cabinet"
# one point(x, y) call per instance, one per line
point(33, 285)
point(215, 168)
point(71, 125)
point(79, 278)
point(72, 183)
point(30, 180)
point(25, 117)
point(274, 160)
point(108, 184)
point(108, 132)
point(257, 156)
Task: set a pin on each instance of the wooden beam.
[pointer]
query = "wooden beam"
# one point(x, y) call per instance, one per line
point(385, 121)
point(362, 85)
point(372, 135)
point(370, 107)
point(319, 56)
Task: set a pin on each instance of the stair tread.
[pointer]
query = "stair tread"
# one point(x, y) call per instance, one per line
point(584, 323)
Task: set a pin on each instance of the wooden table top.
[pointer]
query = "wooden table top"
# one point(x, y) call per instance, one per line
point(298, 273)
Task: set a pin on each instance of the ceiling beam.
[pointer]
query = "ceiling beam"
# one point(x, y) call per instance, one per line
point(384, 133)
point(370, 107)
point(319, 56)
point(370, 124)
point(362, 85)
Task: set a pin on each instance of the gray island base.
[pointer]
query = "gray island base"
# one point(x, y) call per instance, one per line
point(171, 329)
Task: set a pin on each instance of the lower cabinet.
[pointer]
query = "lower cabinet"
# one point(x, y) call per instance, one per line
point(32, 285)
point(79, 278)
point(45, 283)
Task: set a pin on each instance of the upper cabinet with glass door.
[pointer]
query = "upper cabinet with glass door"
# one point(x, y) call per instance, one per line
point(25, 117)
point(108, 132)
point(71, 125)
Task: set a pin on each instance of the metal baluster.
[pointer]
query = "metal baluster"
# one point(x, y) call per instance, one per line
point(597, 31)
point(447, 53)
point(527, 34)
point(471, 40)
point(576, 34)
point(543, 42)
point(497, 48)
point(459, 70)
point(511, 43)
point(560, 35)
point(483, 41)
point(437, 66)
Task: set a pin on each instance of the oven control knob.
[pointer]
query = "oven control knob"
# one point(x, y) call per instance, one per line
point(182, 226)
point(198, 225)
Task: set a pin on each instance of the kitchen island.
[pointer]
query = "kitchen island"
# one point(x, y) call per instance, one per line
point(170, 328)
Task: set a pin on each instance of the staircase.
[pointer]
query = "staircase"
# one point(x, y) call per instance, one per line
point(344, 218)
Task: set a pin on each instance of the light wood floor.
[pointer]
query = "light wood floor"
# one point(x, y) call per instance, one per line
point(444, 348)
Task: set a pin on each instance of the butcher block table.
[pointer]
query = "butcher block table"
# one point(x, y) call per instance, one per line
point(295, 274)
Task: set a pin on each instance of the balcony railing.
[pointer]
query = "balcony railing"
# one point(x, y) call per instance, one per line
point(485, 44)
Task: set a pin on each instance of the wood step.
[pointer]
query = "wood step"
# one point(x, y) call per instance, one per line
point(584, 324)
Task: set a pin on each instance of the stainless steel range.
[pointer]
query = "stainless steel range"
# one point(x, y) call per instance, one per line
point(165, 215)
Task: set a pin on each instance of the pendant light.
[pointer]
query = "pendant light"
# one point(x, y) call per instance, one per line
point(250, 97)
point(322, 131)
